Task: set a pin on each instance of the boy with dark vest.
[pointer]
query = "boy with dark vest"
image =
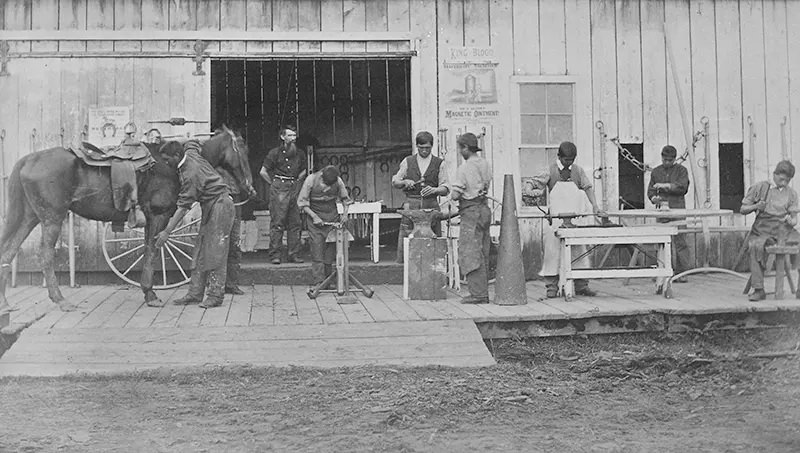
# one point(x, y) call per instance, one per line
point(423, 180)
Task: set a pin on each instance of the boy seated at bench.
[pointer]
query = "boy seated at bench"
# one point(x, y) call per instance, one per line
point(775, 205)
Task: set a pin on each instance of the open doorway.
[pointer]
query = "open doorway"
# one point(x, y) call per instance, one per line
point(356, 113)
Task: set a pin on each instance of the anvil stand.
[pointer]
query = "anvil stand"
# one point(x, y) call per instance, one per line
point(342, 270)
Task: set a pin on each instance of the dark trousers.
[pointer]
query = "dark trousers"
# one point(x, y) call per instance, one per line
point(474, 244)
point(211, 269)
point(407, 226)
point(323, 254)
point(682, 260)
point(284, 215)
point(234, 250)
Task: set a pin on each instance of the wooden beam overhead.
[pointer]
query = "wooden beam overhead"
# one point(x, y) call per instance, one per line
point(192, 35)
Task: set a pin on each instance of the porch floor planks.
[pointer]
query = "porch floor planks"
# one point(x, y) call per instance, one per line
point(285, 308)
point(21, 298)
point(377, 308)
point(52, 317)
point(262, 311)
point(146, 315)
point(191, 316)
point(239, 314)
point(330, 310)
point(106, 309)
point(356, 313)
point(450, 342)
point(36, 305)
point(170, 313)
point(425, 309)
point(307, 309)
point(218, 315)
point(396, 304)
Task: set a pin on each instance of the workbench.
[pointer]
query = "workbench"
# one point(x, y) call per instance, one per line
point(658, 235)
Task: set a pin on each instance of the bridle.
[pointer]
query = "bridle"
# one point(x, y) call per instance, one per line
point(239, 155)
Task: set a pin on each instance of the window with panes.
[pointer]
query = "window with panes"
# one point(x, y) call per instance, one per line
point(546, 118)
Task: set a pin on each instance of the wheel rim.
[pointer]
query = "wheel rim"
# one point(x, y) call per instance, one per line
point(124, 253)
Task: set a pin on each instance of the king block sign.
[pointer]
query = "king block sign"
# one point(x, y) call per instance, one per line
point(469, 85)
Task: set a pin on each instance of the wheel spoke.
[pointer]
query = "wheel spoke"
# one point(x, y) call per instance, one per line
point(134, 264)
point(177, 263)
point(183, 227)
point(163, 267)
point(128, 252)
point(125, 239)
point(182, 243)
point(186, 255)
point(183, 235)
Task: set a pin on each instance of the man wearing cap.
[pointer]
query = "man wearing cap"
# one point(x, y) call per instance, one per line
point(570, 192)
point(669, 183)
point(470, 188)
point(419, 176)
point(284, 169)
point(775, 205)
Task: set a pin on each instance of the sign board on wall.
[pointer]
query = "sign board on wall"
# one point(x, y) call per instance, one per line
point(107, 124)
point(469, 85)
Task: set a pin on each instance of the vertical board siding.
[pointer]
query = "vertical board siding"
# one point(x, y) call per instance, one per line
point(604, 87)
point(332, 19)
point(355, 19)
point(127, 17)
point(46, 18)
point(476, 23)
point(424, 69)
point(579, 64)
point(72, 16)
point(285, 18)
point(155, 16)
point(234, 16)
point(99, 16)
point(553, 36)
point(776, 68)
point(704, 95)
point(754, 102)
point(793, 50)
point(629, 71)
point(377, 19)
point(525, 23)
point(676, 20)
point(729, 74)
point(654, 84)
point(309, 19)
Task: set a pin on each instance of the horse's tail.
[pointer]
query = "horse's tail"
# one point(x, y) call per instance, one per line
point(15, 202)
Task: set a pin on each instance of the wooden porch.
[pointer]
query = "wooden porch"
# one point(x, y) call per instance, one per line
point(403, 332)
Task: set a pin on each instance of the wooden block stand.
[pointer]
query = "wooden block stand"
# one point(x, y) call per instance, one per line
point(425, 268)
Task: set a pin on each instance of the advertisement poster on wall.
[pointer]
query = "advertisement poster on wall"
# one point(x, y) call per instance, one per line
point(469, 85)
point(107, 124)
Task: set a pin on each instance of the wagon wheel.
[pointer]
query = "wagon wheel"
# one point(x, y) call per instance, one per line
point(124, 253)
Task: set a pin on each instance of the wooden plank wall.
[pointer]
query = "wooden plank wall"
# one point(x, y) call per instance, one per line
point(733, 59)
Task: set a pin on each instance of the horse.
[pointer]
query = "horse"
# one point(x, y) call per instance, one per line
point(45, 185)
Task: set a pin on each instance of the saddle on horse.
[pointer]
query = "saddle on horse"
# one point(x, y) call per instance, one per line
point(125, 160)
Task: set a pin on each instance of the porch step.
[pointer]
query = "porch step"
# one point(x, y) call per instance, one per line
point(58, 352)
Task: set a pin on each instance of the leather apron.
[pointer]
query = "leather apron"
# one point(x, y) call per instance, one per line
point(565, 197)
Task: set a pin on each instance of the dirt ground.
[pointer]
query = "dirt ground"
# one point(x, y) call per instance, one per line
point(628, 393)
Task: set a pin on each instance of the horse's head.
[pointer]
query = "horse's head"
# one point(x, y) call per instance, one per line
point(229, 151)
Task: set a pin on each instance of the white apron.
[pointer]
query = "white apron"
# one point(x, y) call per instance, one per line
point(565, 198)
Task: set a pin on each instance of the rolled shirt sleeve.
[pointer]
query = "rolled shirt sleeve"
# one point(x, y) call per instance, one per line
point(401, 172)
point(303, 198)
point(343, 195)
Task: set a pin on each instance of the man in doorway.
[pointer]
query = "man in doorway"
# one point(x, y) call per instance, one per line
point(570, 191)
point(318, 197)
point(423, 180)
point(669, 183)
point(470, 188)
point(284, 169)
point(775, 205)
point(200, 183)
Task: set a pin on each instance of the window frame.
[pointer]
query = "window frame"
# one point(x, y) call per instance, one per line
point(516, 128)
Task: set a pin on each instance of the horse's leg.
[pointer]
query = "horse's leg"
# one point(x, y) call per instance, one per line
point(155, 224)
point(9, 250)
point(51, 229)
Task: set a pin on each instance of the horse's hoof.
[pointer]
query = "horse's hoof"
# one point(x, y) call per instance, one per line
point(155, 303)
point(67, 306)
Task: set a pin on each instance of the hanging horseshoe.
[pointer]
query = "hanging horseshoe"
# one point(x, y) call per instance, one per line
point(343, 160)
point(334, 160)
point(343, 168)
point(345, 176)
point(384, 167)
point(324, 160)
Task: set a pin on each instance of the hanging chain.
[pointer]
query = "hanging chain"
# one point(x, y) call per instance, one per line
point(643, 167)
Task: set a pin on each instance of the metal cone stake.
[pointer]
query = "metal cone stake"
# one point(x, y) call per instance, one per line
point(509, 285)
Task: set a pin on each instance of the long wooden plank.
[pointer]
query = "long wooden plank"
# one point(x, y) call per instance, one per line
point(754, 96)
point(99, 16)
point(526, 38)
point(553, 36)
point(285, 309)
point(309, 19)
point(241, 305)
point(191, 316)
point(170, 313)
point(106, 309)
point(285, 18)
point(262, 312)
point(146, 315)
point(72, 16)
point(218, 315)
point(378, 309)
point(356, 313)
point(307, 309)
point(793, 39)
point(579, 63)
point(377, 19)
point(604, 85)
point(654, 84)
point(399, 20)
point(234, 16)
point(127, 17)
point(355, 19)
point(51, 318)
point(629, 71)
point(86, 307)
point(395, 303)
point(424, 308)
point(729, 81)
point(330, 310)
point(44, 17)
point(777, 81)
point(332, 19)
